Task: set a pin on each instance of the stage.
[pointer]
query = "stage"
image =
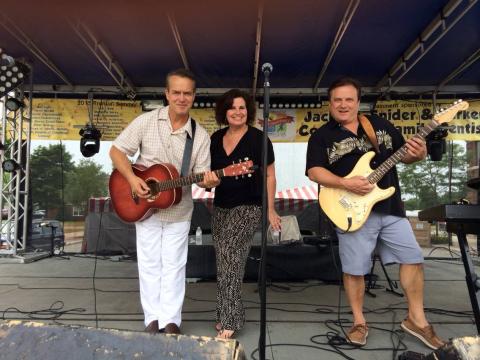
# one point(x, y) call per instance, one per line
point(78, 289)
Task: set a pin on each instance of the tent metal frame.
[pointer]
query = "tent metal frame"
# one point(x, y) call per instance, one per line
point(14, 200)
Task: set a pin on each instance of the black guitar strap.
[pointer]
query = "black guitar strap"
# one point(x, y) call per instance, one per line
point(187, 152)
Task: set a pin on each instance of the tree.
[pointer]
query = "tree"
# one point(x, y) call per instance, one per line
point(86, 180)
point(48, 166)
point(426, 183)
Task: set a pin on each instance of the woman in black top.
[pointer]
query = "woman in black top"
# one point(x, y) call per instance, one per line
point(238, 203)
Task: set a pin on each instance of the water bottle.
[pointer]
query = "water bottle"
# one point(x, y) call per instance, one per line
point(198, 236)
point(276, 237)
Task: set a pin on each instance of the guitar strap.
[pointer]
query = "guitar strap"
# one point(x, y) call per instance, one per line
point(368, 128)
point(187, 152)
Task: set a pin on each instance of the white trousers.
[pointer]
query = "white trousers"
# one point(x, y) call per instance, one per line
point(162, 249)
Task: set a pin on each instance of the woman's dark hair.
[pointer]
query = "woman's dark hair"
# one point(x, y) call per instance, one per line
point(225, 102)
point(345, 81)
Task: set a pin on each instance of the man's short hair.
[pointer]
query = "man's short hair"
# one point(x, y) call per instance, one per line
point(185, 73)
point(345, 80)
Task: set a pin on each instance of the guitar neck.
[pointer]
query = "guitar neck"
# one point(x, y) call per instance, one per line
point(380, 172)
point(181, 181)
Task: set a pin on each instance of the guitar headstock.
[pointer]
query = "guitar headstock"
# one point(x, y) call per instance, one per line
point(447, 115)
point(242, 168)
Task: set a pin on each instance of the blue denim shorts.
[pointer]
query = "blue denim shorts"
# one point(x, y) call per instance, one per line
point(391, 237)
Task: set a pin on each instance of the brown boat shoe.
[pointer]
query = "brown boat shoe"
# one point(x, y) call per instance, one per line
point(426, 335)
point(152, 328)
point(357, 334)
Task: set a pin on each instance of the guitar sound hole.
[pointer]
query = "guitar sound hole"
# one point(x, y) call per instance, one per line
point(152, 185)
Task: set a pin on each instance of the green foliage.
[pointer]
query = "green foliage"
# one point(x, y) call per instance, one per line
point(426, 183)
point(47, 168)
point(86, 180)
point(57, 181)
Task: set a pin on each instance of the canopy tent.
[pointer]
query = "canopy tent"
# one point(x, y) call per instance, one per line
point(124, 49)
point(127, 47)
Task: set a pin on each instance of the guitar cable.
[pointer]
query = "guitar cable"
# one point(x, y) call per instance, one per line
point(349, 220)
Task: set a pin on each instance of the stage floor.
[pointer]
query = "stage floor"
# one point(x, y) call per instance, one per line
point(300, 315)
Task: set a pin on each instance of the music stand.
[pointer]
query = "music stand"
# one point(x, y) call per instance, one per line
point(372, 280)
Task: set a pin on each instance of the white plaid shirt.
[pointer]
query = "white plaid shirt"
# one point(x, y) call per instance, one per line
point(152, 134)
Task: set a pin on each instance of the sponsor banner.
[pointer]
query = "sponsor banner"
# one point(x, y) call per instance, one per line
point(62, 119)
point(409, 116)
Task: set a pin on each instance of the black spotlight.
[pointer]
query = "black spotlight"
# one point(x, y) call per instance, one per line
point(436, 144)
point(90, 141)
point(13, 104)
point(10, 165)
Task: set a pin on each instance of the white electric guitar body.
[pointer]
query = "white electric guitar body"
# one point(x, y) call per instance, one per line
point(349, 211)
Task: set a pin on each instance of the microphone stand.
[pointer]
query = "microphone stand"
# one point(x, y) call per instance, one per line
point(266, 68)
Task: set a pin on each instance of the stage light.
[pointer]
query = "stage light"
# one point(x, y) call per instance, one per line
point(436, 144)
point(12, 73)
point(274, 106)
point(195, 104)
point(208, 104)
point(13, 104)
point(287, 105)
point(10, 165)
point(280, 105)
point(293, 106)
point(90, 141)
point(202, 104)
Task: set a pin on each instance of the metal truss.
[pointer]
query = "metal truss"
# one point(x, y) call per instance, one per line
point(178, 39)
point(14, 199)
point(151, 91)
point(347, 17)
point(104, 56)
point(28, 43)
point(439, 26)
point(464, 66)
point(258, 42)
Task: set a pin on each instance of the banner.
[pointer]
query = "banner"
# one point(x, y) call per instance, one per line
point(61, 119)
point(409, 116)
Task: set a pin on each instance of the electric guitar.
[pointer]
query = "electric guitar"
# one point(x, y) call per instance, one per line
point(165, 188)
point(349, 211)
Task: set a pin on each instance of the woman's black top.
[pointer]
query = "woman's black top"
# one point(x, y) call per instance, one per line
point(245, 190)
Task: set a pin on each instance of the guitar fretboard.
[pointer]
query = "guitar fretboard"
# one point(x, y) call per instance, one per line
point(379, 172)
point(157, 187)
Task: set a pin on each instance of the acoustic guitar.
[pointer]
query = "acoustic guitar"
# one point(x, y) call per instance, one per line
point(165, 188)
point(349, 211)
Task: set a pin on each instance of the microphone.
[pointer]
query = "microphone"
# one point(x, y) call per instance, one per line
point(267, 68)
point(7, 60)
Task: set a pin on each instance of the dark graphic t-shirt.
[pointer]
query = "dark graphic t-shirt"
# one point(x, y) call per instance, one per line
point(337, 149)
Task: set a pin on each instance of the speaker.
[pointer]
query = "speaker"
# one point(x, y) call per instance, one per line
point(37, 341)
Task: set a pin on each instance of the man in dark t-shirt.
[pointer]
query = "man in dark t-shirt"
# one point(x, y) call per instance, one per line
point(333, 151)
